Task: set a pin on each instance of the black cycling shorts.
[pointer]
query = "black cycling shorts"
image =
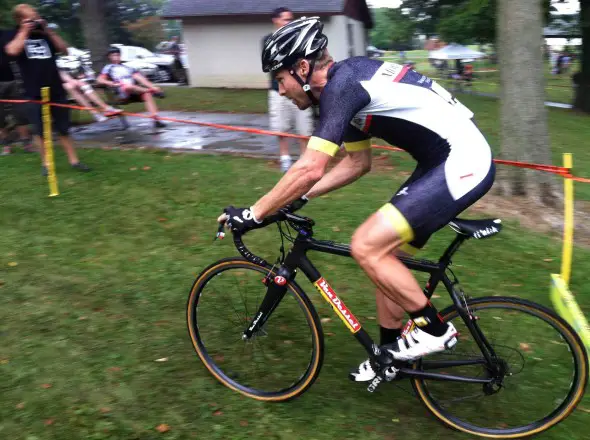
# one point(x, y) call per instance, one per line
point(435, 194)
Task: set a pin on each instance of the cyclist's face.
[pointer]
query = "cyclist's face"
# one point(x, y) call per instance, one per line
point(291, 89)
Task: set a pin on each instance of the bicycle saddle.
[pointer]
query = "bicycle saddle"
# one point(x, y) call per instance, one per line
point(477, 228)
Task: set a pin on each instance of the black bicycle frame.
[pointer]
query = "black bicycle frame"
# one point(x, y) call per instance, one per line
point(297, 259)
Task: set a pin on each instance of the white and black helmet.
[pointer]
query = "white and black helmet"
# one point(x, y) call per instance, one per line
point(298, 39)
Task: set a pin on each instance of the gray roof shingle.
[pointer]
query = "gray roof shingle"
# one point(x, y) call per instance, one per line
point(208, 8)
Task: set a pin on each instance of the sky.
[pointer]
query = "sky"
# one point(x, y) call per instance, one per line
point(568, 7)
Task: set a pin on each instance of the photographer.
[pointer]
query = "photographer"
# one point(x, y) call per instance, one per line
point(34, 47)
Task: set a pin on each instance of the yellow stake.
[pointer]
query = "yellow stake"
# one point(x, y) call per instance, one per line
point(48, 143)
point(568, 222)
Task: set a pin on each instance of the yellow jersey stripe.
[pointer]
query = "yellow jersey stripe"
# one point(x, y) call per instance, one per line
point(358, 146)
point(319, 144)
point(398, 222)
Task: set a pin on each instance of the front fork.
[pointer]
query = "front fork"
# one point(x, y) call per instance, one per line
point(276, 290)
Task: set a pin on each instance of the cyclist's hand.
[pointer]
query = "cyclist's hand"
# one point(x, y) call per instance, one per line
point(239, 220)
point(296, 205)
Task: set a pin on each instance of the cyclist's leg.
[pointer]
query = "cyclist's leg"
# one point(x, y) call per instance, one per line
point(418, 210)
point(389, 313)
point(373, 246)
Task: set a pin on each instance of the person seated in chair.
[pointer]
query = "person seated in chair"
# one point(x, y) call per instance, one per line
point(130, 85)
point(468, 74)
point(83, 93)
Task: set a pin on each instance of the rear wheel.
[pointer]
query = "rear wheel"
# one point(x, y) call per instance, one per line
point(281, 360)
point(541, 371)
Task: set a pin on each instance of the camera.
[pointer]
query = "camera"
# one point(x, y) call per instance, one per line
point(38, 25)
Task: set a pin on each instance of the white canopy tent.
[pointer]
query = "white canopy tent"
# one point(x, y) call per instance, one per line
point(455, 52)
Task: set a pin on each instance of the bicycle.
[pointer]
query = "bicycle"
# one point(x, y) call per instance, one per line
point(481, 364)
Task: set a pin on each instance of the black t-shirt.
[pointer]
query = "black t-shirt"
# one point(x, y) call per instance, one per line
point(5, 68)
point(37, 65)
point(274, 85)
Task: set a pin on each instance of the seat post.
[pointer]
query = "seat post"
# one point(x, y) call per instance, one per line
point(453, 247)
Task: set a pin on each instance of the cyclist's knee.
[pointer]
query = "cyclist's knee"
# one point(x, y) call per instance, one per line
point(361, 250)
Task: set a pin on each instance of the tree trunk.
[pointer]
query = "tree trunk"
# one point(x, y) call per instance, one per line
point(524, 133)
point(93, 18)
point(582, 96)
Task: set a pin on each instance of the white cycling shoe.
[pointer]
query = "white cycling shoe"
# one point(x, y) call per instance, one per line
point(416, 344)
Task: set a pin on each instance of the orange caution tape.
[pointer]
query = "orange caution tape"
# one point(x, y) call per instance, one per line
point(562, 171)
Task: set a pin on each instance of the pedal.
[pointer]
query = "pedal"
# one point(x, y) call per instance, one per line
point(390, 373)
point(386, 375)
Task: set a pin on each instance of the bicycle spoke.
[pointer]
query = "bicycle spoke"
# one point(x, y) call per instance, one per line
point(242, 296)
point(532, 377)
point(254, 363)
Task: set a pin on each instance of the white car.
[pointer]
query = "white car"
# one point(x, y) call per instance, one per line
point(149, 70)
point(373, 52)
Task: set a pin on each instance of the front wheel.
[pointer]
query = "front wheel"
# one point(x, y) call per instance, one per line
point(540, 371)
point(281, 360)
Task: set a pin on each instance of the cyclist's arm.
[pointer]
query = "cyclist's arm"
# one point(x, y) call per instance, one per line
point(296, 182)
point(353, 166)
point(356, 164)
point(340, 101)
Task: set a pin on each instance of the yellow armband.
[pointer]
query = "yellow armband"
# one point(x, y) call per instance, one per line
point(319, 144)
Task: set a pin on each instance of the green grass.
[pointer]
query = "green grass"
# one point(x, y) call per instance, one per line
point(93, 286)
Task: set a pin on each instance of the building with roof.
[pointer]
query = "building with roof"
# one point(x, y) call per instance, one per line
point(223, 38)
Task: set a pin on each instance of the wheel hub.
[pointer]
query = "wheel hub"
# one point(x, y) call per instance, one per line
point(499, 372)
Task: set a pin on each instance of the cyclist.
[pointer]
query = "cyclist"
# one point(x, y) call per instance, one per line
point(360, 98)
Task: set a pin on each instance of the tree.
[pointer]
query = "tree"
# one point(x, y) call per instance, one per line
point(393, 29)
point(471, 21)
point(459, 20)
point(64, 13)
point(121, 13)
point(6, 20)
point(427, 13)
point(120, 17)
point(524, 133)
point(147, 31)
point(93, 15)
point(582, 78)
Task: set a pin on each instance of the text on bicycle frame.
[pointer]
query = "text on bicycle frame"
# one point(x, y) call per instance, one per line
point(339, 307)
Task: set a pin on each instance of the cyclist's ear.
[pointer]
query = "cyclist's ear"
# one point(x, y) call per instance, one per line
point(302, 68)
